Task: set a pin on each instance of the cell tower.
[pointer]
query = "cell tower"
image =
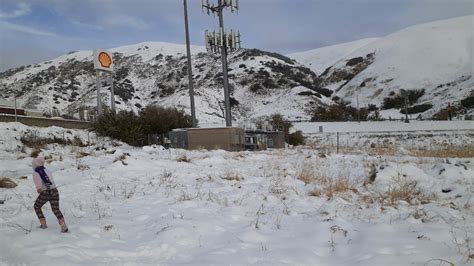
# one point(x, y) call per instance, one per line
point(222, 42)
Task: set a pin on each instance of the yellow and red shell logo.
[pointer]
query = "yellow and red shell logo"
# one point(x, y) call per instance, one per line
point(104, 60)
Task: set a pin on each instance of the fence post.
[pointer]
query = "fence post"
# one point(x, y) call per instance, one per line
point(337, 137)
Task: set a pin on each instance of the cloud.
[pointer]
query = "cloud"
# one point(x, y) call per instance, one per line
point(22, 9)
point(126, 21)
point(15, 27)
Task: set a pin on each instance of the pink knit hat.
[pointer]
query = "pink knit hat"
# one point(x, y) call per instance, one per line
point(38, 161)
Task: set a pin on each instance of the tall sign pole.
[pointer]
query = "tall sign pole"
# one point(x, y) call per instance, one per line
point(221, 42)
point(103, 62)
point(97, 86)
point(190, 70)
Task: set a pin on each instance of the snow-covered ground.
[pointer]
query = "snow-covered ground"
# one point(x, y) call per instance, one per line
point(298, 206)
point(382, 126)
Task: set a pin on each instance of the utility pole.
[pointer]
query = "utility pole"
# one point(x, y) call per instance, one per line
point(190, 70)
point(405, 94)
point(112, 93)
point(14, 97)
point(358, 109)
point(220, 42)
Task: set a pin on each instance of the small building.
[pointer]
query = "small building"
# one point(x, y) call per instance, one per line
point(263, 139)
point(7, 107)
point(226, 138)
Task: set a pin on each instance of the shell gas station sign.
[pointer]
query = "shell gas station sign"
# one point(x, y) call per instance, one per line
point(103, 60)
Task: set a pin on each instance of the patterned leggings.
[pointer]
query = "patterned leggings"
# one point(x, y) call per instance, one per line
point(51, 195)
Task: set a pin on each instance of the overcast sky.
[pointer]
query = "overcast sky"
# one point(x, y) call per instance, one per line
point(36, 30)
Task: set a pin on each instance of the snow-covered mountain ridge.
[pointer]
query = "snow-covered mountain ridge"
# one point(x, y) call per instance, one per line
point(433, 60)
point(435, 57)
point(261, 83)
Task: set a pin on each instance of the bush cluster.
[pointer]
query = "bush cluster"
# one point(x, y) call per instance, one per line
point(339, 112)
point(468, 102)
point(296, 138)
point(417, 108)
point(398, 100)
point(280, 123)
point(133, 129)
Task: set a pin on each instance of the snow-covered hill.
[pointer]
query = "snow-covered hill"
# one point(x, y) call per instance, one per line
point(433, 62)
point(436, 57)
point(319, 59)
point(261, 83)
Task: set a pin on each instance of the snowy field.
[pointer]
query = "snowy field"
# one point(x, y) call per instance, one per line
point(384, 126)
point(298, 206)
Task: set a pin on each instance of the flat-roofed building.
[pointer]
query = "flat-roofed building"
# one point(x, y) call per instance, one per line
point(226, 138)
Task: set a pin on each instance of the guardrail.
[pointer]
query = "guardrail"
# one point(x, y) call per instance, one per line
point(46, 122)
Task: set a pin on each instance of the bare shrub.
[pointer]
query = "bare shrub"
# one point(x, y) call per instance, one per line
point(317, 192)
point(81, 166)
point(6, 182)
point(183, 158)
point(121, 158)
point(108, 227)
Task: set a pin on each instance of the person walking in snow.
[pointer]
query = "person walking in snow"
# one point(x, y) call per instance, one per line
point(47, 190)
point(450, 111)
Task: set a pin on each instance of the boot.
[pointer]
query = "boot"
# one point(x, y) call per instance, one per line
point(43, 223)
point(63, 226)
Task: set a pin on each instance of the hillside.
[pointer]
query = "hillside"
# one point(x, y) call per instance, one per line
point(434, 59)
point(319, 59)
point(433, 62)
point(261, 83)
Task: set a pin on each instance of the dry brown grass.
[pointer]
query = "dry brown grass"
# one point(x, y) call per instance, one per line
point(324, 185)
point(449, 152)
point(330, 187)
point(337, 186)
point(82, 154)
point(6, 182)
point(306, 175)
point(407, 191)
point(441, 151)
point(232, 176)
